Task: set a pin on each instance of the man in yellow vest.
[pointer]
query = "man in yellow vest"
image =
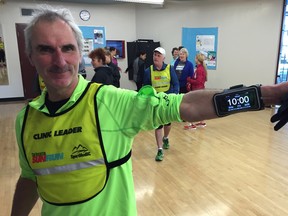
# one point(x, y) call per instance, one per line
point(75, 139)
point(164, 79)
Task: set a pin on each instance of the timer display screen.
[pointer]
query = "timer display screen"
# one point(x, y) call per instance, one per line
point(240, 101)
point(237, 100)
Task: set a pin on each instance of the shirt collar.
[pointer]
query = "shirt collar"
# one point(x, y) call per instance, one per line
point(39, 102)
point(163, 67)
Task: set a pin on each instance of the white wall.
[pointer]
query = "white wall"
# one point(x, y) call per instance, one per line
point(248, 35)
point(118, 20)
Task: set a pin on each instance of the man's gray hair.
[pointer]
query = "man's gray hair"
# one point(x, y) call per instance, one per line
point(50, 14)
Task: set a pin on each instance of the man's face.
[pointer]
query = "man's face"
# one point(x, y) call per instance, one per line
point(158, 59)
point(56, 55)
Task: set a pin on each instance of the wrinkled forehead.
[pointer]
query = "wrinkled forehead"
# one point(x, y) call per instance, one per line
point(49, 26)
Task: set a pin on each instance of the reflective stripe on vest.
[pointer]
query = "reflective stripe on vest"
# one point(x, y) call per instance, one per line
point(160, 80)
point(68, 168)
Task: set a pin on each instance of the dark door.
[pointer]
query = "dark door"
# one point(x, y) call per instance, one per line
point(27, 70)
point(133, 49)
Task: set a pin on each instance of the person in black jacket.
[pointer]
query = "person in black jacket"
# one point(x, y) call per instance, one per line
point(115, 70)
point(138, 67)
point(103, 73)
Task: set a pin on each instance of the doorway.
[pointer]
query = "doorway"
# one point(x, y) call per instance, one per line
point(28, 72)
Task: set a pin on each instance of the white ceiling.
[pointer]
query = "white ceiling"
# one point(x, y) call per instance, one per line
point(108, 1)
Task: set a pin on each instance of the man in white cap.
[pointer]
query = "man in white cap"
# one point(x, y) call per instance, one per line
point(164, 79)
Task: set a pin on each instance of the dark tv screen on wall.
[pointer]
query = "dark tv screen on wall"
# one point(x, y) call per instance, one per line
point(119, 45)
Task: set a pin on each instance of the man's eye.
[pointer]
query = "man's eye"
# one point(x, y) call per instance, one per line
point(68, 48)
point(45, 49)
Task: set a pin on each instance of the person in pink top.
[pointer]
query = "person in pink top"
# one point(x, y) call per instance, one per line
point(198, 82)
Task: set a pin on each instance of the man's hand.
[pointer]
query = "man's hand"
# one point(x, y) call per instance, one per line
point(281, 116)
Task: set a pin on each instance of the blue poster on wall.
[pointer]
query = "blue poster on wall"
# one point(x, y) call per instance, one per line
point(202, 40)
point(94, 37)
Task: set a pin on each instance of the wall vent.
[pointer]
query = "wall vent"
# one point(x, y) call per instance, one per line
point(27, 11)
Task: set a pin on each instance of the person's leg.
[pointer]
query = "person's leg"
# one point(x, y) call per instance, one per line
point(167, 129)
point(158, 136)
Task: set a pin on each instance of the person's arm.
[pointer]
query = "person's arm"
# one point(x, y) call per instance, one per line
point(141, 71)
point(174, 81)
point(147, 77)
point(191, 69)
point(25, 197)
point(130, 67)
point(274, 94)
point(198, 105)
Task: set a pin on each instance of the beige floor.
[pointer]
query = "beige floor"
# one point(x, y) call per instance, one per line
point(235, 166)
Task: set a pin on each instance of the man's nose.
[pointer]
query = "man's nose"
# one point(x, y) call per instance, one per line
point(59, 58)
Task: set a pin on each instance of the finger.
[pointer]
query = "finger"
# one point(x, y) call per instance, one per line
point(275, 118)
point(279, 125)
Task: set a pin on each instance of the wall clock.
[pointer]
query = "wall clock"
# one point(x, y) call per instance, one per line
point(84, 15)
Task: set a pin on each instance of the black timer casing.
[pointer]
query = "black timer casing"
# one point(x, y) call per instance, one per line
point(238, 99)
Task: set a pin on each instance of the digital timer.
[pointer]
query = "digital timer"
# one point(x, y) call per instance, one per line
point(238, 99)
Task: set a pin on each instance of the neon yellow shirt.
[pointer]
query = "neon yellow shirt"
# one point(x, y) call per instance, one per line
point(121, 118)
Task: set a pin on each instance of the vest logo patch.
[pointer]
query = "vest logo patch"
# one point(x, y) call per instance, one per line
point(80, 151)
point(41, 157)
point(160, 77)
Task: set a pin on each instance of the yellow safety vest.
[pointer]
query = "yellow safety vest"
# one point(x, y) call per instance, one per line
point(66, 151)
point(160, 80)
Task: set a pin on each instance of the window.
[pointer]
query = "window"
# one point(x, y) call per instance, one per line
point(282, 68)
